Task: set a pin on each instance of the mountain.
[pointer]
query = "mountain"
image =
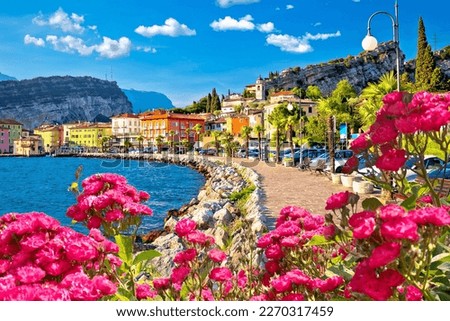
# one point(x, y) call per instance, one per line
point(358, 70)
point(145, 100)
point(6, 77)
point(61, 100)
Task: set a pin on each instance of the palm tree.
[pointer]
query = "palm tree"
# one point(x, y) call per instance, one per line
point(172, 143)
point(159, 142)
point(105, 142)
point(259, 131)
point(278, 120)
point(245, 133)
point(227, 143)
point(372, 98)
point(198, 129)
point(140, 140)
point(127, 144)
point(216, 134)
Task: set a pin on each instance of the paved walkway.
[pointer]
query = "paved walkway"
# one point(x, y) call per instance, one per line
point(289, 186)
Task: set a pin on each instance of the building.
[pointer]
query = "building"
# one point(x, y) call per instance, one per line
point(235, 124)
point(125, 128)
point(258, 90)
point(91, 135)
point(218, 124)
point(28, 146)
point(52, 137)
point(170, 126)
point(282, 96)
point(4, 140)
point(15, 130)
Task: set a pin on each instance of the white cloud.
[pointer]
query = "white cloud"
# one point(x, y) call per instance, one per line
point(289, 7)
point(229, 3)
point(61, 20)
point(317, 24)
point(294, 44)
point(289, 43)
point(70, 44)
point(356, 1)
point(146, 49)
point(28, 40)
point(171, 28)
point(110, 48)
point(228, 23)
point(266, 27)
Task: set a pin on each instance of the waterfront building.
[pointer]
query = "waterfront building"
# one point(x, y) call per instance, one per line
point(52, 136)
point(126, 129)
point(218, 124)
point(28, 146)
point(170, 126)
point(4, 140)
point(91, 135)
point(15, 130)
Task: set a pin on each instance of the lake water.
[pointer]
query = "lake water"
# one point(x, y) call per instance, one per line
point(41, 184)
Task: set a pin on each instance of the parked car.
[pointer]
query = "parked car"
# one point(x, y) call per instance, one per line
point(436, 168)
point(251, 153)
point(311, 153)
point(340, 156)
point(209, 151)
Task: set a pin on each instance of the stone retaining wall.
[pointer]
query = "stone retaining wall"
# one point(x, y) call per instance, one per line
point(235, 230)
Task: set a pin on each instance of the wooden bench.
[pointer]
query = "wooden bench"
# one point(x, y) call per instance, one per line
point(441, 186)
point(305, 165)
point(320, 168)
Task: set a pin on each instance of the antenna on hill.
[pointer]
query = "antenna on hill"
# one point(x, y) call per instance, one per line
point(111, 74)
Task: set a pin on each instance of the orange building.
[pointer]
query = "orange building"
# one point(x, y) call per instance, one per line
point(235, 124)
point(162, 123)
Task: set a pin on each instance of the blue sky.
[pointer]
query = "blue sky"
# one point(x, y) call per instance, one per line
point(184, 48)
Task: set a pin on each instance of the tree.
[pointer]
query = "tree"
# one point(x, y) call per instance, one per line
point(127, 144)
point(140, 140)
point(227, 143)
point(278, 120)
point(105, 142)
point(372, 98)
point(245, 134)
point(216, 135)
point(427, 76)
point(159, 142)
point(313, 92)
point(197, 129)
point(172, 143)
point(259, 131)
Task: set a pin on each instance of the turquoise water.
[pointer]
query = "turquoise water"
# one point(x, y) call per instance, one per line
point(40, 184)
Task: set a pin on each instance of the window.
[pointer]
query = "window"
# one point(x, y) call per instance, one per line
point(310, 110)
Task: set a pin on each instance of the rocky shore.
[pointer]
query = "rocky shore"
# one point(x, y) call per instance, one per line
point(228, 207)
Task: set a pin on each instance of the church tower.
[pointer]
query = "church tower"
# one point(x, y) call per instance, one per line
point(260, 89)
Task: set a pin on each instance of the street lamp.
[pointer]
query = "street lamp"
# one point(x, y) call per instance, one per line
point(290, 107)
point(369, 43)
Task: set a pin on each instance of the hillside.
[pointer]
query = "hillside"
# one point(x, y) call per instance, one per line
point(4, 77)
point(60, 99)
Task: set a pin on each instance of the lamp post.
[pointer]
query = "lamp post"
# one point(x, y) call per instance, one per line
point(290, 107)
point(369, 43)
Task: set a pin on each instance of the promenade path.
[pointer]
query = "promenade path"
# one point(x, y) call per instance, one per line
point(285, 186)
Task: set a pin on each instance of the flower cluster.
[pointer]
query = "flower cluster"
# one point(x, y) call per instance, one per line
point(402, 114)
point(108, 201)
point(42, 260)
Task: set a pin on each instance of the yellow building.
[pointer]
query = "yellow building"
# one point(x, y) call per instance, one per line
point(90, 135)
point(51, 137)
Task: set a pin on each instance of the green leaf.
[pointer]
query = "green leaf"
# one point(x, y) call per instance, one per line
point(318, 240)
point(371, 204)
point(444, 267)
point(125, 248)
point(443, 257)
point(410, 202)
point(145, 256)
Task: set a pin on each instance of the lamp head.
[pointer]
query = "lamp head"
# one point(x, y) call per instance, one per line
point(290, 107)
point(369, 42)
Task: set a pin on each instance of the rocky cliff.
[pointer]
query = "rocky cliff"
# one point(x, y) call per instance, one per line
point(358, 70)
point(60, 99)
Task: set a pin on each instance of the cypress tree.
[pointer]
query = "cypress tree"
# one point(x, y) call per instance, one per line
point(427, 76)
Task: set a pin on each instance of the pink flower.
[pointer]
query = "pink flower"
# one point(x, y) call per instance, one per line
point(185, 226)
point(361, 143)
point(290, 241)
point(144, 291)
point(363, 224)
point(272, 267)
point(377, 290)
point(198, 237)
point(220, 274)
point(29, 274)
point(242, 279)
point(350, 165)
point(298, 277)
point(391, 160)
point(391, 278)
point(185, 256)
point(114, 215)
point(383, 131)
point(329, 284)
point(282, 284)
point(337, 201)
point(293, 297)
point(217, 255)
point(437, 216)
point(274, 252)
point(144, 196)
point(179, 274)
point(81, 250)
point(288, 228)
point(104, 285)
point(391, 211)
point(260, 297)
point(413, 293)
point(94, 222)
point(161, 283)
point(384, 254)
point(207, 295)
point(400, 228)
point(265, 240)
point(408, 124)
